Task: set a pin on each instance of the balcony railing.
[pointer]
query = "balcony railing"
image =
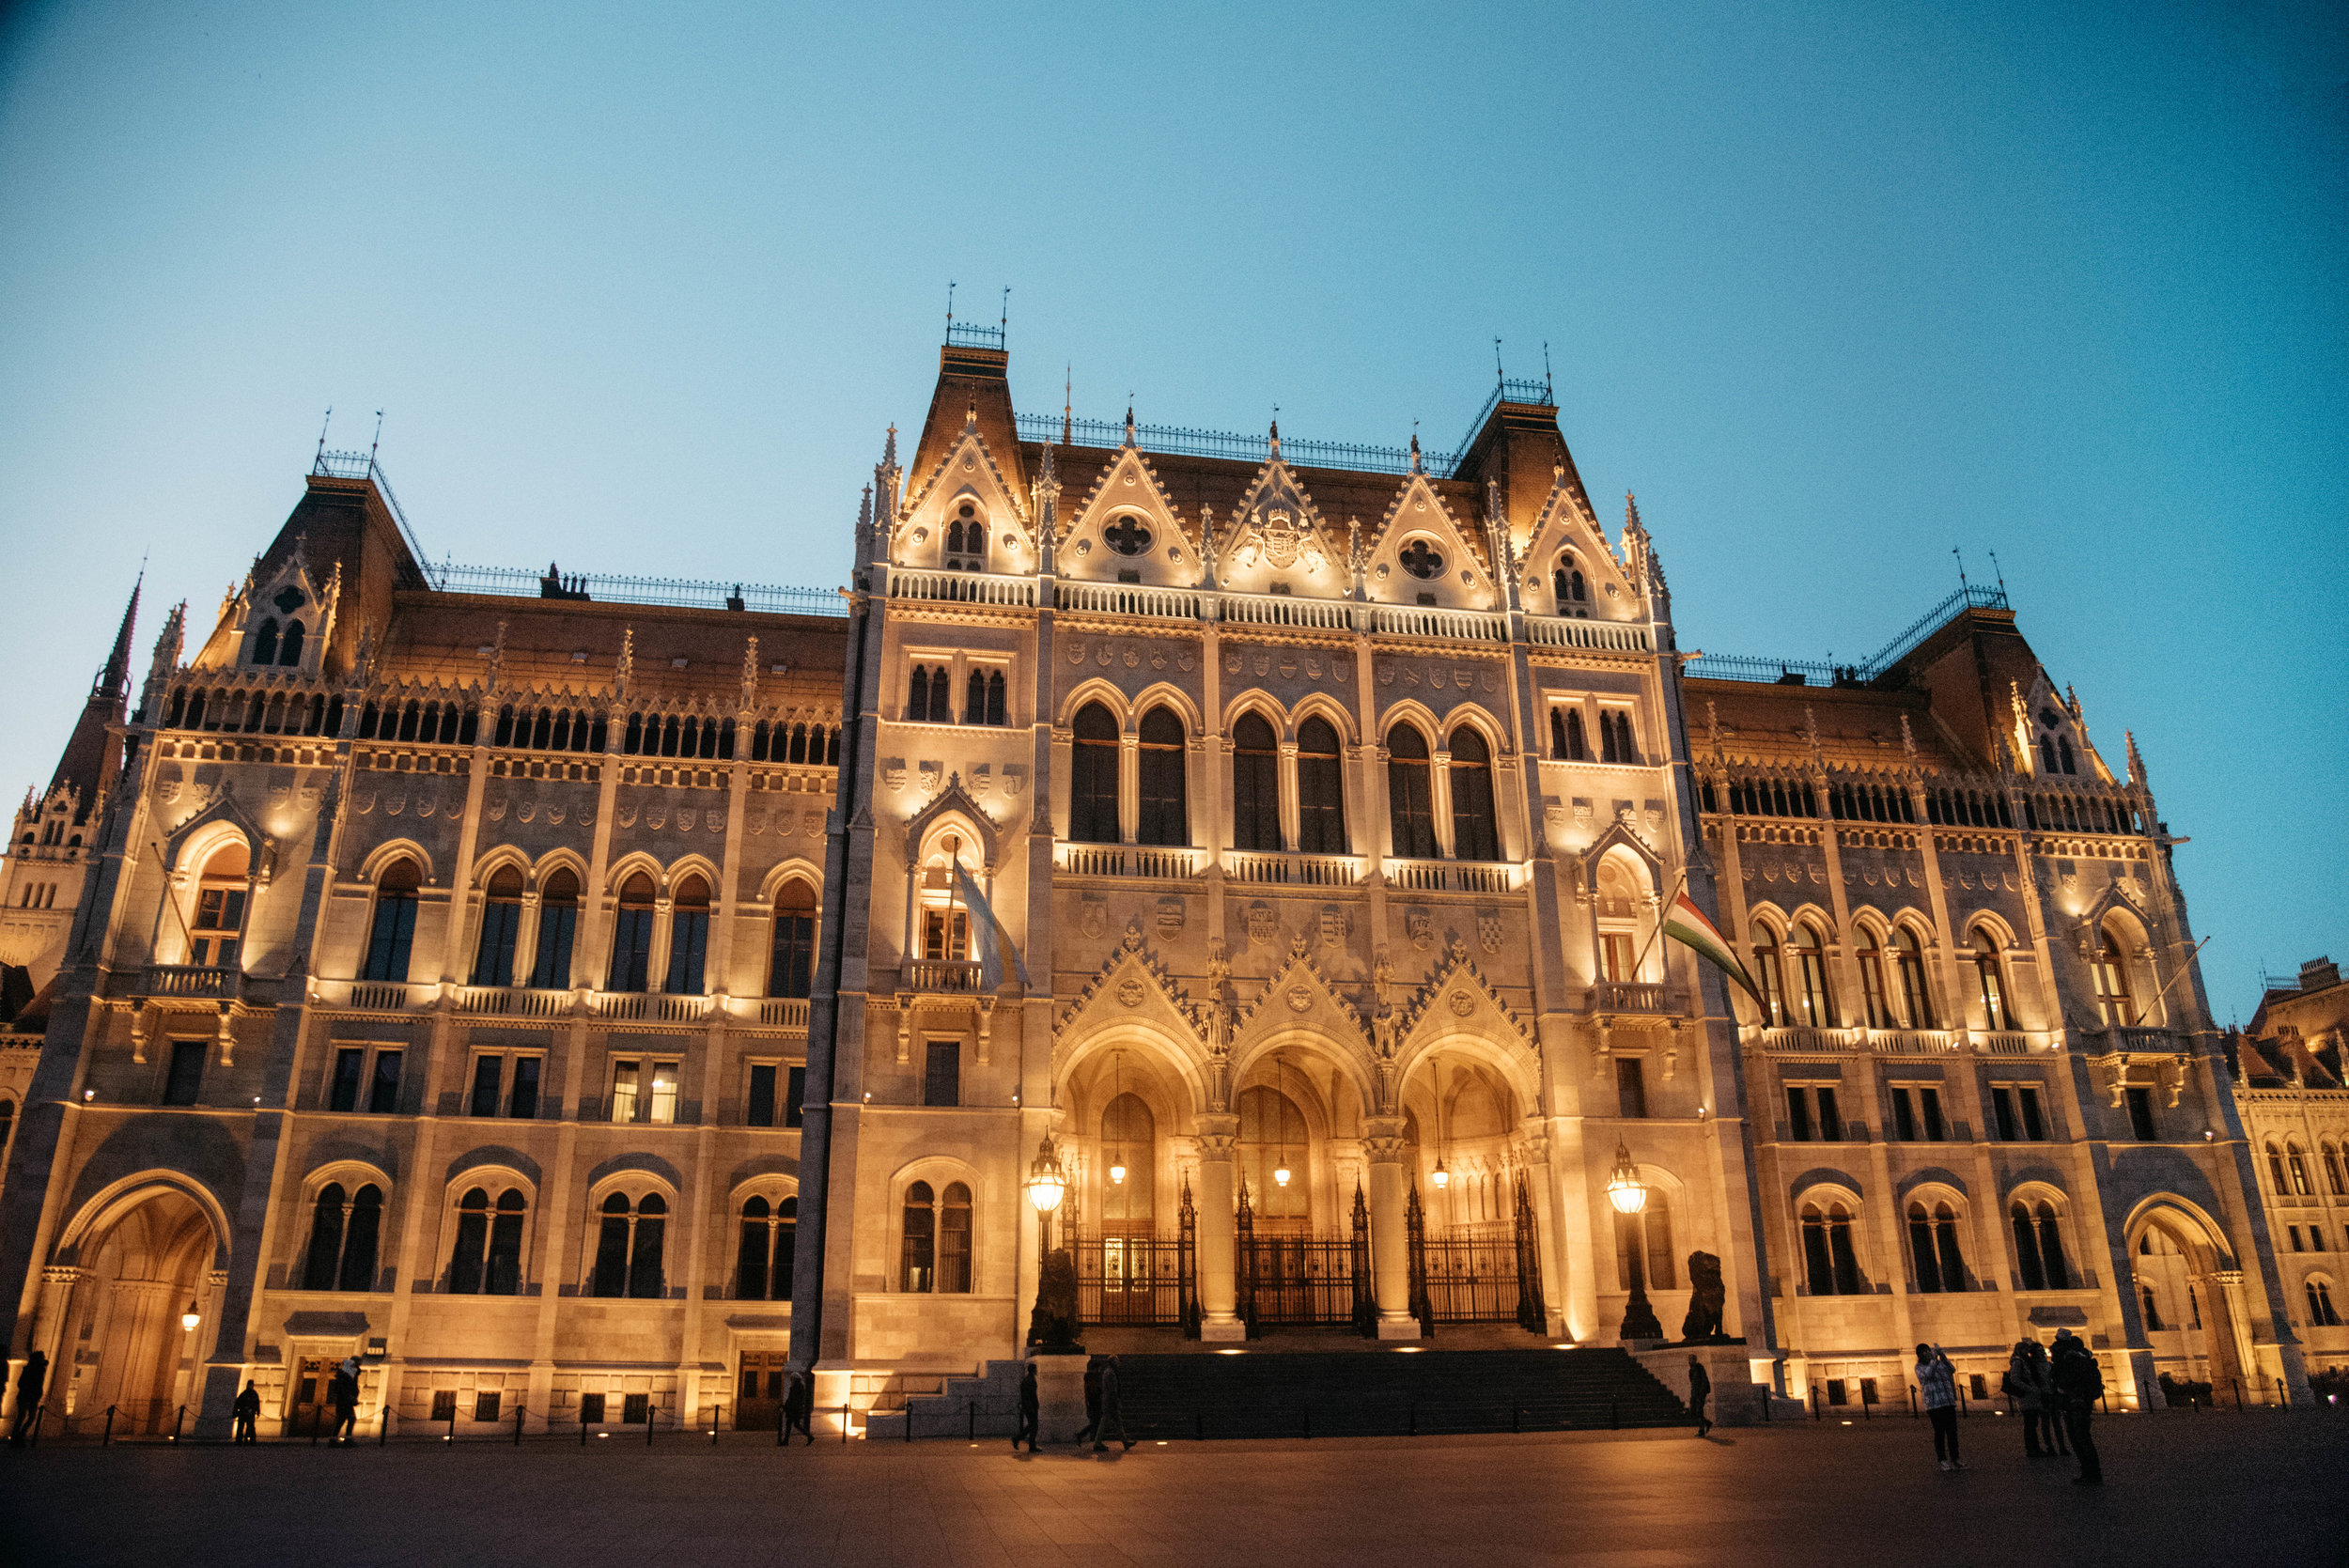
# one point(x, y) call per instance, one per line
point(1911, 1042)
point(381, 996)
point(1152, 861)
point(1319, 614)
point(1633, 996)
point(648, 1007)
point(1556, 632)
point(511, 1001)
point(189, 979)
point(963, 587)
point(784, 1012)
point(1127, 599)
point(1451, 626)
point(1312, 870)
point(949, 976)
point(2159, 1042)
point(1802, 1038)
point(2002, 1042)
point(1449, 875)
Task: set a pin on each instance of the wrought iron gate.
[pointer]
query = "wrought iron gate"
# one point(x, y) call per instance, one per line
point(1303, 1279)
point(1471, 1276)
point(1140, 1278)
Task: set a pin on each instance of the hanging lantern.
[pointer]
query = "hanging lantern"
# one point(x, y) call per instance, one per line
point(1280, 1114)
point(1625, 1190)
point(1280, 1173)
point(1118, 1161)
point(1117, 1174)
point(1442, 1178)
point(189, 1318)
point(1045, 1181)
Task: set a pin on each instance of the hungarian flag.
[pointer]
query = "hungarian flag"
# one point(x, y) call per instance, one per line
point(1685, 924)
point(989, 933)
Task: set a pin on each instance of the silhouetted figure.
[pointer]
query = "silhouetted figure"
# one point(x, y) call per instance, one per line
point(1938, 1380)
point(345, 1392)
point(2078, 1384)
point(1111, 1410)
point(799, 1407)
point(29, 1384)
point(1028, 1410)
point(247, 1410)
point(1093, 1402)
point(1700, 1390)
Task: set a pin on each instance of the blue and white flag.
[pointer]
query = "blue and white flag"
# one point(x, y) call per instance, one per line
point(989, 933)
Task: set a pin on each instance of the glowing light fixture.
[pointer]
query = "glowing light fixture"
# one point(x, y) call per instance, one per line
point(1441, 1177)
point(1046, 1180)
point(1625, 1190)
point(1280, 1112)
point(1117, 1160)
point(189, 1318)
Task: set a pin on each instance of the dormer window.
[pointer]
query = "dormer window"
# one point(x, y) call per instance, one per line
point(289, 598)
point(1421, 561)
point(1127, 537)
point(1567, 580)
point(966, 539)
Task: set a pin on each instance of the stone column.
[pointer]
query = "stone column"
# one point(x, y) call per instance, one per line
point(1219, 1230)
point(1390, 1240)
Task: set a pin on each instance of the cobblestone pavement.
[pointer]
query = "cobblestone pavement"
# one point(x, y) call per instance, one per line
point(2180, 1489)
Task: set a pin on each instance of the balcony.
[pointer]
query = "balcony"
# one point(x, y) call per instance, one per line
point(1803, 1040)
point(1129, 598)
point(963, 587)
point(784, 1012)
point(1449, 875)
point(1637, 996)
point(941, 976)
point(651, 1007)
point(1150, 862)
point(1450, 626)
point(190, 979)
point(1310, 871)
point(1554, 632)
point(511, 1001)
point(2151, 1042)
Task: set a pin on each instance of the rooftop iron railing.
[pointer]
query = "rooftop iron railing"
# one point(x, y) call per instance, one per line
point(521, 583)
point(1811, 672)
point(361, 465)
point(1182, 440)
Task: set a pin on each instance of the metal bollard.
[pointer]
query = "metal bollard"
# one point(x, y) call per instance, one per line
point(107, 1441)
point(1814, 1401)
point(1767, 1417)
point(316, 1411)
point(844, 1426)
point(383, 1425)
point(781, 1428)
point(452, 1427)
point(909, 1411)
point(518, 1425)
point(1912, 1402)
point(717, 1415)
point(649, 1409)
point(175, 1424)
point(975, 1420)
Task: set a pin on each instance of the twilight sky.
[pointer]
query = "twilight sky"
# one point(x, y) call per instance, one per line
point(1834, 290)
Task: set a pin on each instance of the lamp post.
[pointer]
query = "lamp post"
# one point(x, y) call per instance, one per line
point(1628, 1194)
point(1052, 1326)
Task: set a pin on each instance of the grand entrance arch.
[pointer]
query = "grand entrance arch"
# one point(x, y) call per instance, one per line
point(113, 1314)
point(2190, 1302)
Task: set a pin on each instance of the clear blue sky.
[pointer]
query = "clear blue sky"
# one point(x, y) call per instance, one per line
point(1832, 288)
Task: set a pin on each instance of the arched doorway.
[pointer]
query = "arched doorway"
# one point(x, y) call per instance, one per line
point(2189, 1298)
point(123, 1343)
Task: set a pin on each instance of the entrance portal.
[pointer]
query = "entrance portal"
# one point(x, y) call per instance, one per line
point(123, 1333)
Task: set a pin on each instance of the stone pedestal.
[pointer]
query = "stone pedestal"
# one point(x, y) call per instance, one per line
point(1060, 1393)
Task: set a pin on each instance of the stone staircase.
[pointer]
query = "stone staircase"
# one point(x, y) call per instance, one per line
point(987, 1406)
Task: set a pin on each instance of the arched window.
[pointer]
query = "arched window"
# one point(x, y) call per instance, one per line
point(1255, 784)
point(791, 967)
point(966, 539)
point(1616, 743)
point(628, 1246)
point(689, 938)
point(1410, 801)
point(1829, 1259)
point(2047, 763)
point(1817, 1003)
point(486, 1259)
point(1770, 975)
point(395, 928)
point(1909, 959)
point(1993, 1012)
point(762, 1265)
point(2333, 1178)
point(929, 695)
point(343, 1238)
point(1474, 835)
point(983, 703)
point(954, 1241)
point(2039, 1247)
point(1093, 778)
point(917, 1255)
point(2275, 1172)
point(2152, 1309)
point(2298, 1163)
point(2321, 1313)
point(290, 651)
point(1932, 1242)
point(265, 642)
point(632, 937)
point(1643, 1245)
point(216, 934)
point(501, 923)
point(1272, 1129)
point(1130, 1138)
point(2064, 750)
point(558, 923)
point(2111, 969)
point(1565, 735)
point(1165, 814)
point(1320, 790)
point(1567, 580)
point(1871, 982)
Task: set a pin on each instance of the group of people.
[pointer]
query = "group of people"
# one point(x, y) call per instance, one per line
point(2055, 1391)
point(1105, 1408)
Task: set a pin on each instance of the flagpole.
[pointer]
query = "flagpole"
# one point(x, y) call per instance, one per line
point(2173, 978)
point(1663, 911)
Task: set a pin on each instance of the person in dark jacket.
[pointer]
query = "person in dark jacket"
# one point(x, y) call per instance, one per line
point(1112, 1414)
point(345, 1392)
point(799, 1407)
point(29, 1384)
point(1700, 1390)
point(2078, 1384)
point(1093, 1401)
point(1028, 1410)
point(247, 1410)
point(1936, 1380)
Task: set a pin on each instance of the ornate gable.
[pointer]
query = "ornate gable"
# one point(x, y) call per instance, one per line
point(1276, 534)
point(1421, 547)
point(968, 473)
point(1128, 522)
point(1456, 994)
point(1298, 993)
point(2047, 729)
point(1566, 535)
point(1133, 986)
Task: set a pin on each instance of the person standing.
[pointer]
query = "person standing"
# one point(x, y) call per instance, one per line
point(1112, 1411)
point(345, 1392)
point(1700, 1390)
point(2021, 1388)
point(799, 1407)
point(1937, 1379)
point(247, 1410)
point(1028, 1402)
point(2050, 1408)
point(2078, 1384)
point(29, 1384)
point(1092, 1403)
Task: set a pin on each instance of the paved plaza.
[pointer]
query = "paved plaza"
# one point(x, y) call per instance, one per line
point(2180, 1489)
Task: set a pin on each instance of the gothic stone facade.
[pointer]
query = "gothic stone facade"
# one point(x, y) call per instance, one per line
point(450, 963)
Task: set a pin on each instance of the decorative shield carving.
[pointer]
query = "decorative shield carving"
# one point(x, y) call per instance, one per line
point(1300, 999)
point(656, 814)
point(1489, 929)
point(685, 819)
point(1461, 1004)
point(1131, 992)
point(813, 822)
point(1015, 780)
point(1095, 918)
point(1421, 928)
point(893, 774)
point(1263, 925)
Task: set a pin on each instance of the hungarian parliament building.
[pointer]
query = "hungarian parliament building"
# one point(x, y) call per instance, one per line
point(585, 1000)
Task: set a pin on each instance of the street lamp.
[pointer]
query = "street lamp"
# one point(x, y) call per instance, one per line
point(189, 1319)
point(1628, 1194)
point(1625, 1190)
point(1280, 1111)
point(1117, 1158)
point(1053, 1325)
point(1047, 1182)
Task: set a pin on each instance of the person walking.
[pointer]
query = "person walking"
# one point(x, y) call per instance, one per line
point(1700, 1390)
point(1937, 1379)
point(29, 1384)
point(2050, 1408)
point(2021, 1387)
point(799, 1407)
point(247, 1410)
point(1093, 1402)
point(1112, 1409)
point(345, 1390)
point(1028, 1402)
point(2078, 1384)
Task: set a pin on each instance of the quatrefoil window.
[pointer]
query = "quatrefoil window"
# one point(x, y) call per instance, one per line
point(289, 599)
point(1421, 561)
point(1127, 537)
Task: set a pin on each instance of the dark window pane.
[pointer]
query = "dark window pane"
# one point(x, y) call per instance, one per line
point(793, 965)
point(1630, 1086)
point(367, 1216)
point(388, 942)
point(186, 1077)
point(688, 945)
point(632, 950)
point(1474, 835)
point(1411, 811)
point(612, 1256)
point(644, 1271)
point(750, 1259)
point(493, 962)
point(2033, 1128)
point(758, 1109)
point(1093, 778)
point(2141, 1114)
point(1255, 784)
point(326, 1239)
point(941, 1084)
point(505, 1246)
point(1830, 1118)
point(464, 1266)
point(523, 1103)
point(1165, 810)
point(557, 924)
point(349, 1066)
point(383, 1094)
point(488, 1073)
point(1320, 790)
point(794, 1108)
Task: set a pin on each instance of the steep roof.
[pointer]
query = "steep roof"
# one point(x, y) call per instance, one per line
point(92, 756)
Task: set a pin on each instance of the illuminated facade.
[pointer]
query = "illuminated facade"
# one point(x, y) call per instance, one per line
point(453, 959)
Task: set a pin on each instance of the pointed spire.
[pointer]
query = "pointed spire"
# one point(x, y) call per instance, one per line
point(1069, 406)
point(1206, 541)
point(2137, 763)
point(627, 671)
point(164, 663)
point(889, 448)
point(749, 674)
point(115, 679)
point(92, 756)
point(2072, 700)
point(1811, 731)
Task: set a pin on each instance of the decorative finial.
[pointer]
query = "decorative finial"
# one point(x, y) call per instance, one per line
point(2137, 763)
point(750, 673)
point(1129, 419)
point(627, 671)
point(1415, 459)
point(1908, 738)
point(1069, 406)
point(889, 448)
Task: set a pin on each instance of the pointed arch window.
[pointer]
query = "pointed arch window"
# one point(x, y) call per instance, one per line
point(395, 928)
point(1567, 580)
point(628, 1246)
point(2039, 1247)
point(2111, 974)
point(501, 924)
point(1093, 778)
point(2322, 1314)
point(1816, 1002)
point(1565, 735)
point(1770, 974)
point(558, 923)
point(343, 1235)
point(1932, 1242)
point(2333, 1179)
point(929, 695)
point(1255, 784)
point(689, 938)
point(265, 642)
point(791, 966)
point(1165, 814)
point(1320, 790)
point(1475, 835)
point(917, 1251)
point(2298, 1164)
point(966, 539)
point(1908, 961)
point(2275, 1172)
point(1410, 805)
point(2064, 752)
point(1993, 982)
point(487, 1257)
point(1871, 982)
point(1616, 741)
point(289, 650)
point(983, 702)
point(217, 932)
point(631, 936)
point(763, 1258)
point(1829, 1258)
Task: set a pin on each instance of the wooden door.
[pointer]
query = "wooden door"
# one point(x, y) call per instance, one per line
point(759, 1391)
